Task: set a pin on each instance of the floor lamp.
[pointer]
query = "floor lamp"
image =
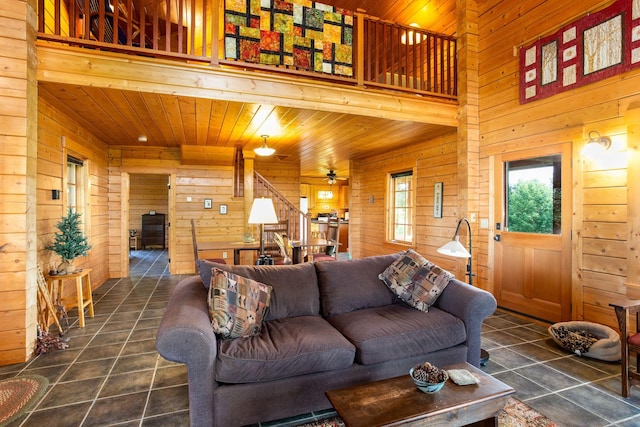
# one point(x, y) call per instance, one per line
point(262, 212)
point(455, 249)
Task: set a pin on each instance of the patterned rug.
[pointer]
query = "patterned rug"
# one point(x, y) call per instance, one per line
point(514, 414)
point(18, 395)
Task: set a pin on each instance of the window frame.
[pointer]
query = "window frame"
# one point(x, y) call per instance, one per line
point(391, 222)
point(80, 183)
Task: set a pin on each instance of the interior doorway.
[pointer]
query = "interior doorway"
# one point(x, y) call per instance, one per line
point(148, 208)
point(532, 244)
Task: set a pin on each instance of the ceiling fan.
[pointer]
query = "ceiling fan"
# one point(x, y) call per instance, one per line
point(332, 178)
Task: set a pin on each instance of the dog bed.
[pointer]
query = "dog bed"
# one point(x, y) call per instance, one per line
point(587, 339)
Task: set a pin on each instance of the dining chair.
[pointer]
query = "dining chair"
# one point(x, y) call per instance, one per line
point(329, 252)
point(196, 254)
point(271, 247)
point(282, 244)
point(628, 315)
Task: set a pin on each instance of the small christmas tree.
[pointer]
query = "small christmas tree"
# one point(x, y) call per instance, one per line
point(70, 243)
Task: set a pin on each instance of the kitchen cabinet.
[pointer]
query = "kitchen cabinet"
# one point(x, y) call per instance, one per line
point(344, 196)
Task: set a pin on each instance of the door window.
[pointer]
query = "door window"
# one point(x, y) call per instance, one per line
point(533, 194)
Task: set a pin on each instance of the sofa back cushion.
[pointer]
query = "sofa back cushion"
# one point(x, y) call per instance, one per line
point(294, 287)
point(354, 284)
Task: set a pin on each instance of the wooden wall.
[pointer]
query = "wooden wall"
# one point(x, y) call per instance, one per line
point(59, 136)
point(432, 161)
point(605, 197)
point(128, 164)
point(18, 150)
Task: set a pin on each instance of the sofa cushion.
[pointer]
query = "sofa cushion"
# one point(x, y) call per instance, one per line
point(353, 284)
point(237, 304)
point(294, 287)
point(415, 280)
point(285, 348)
point(398, 331)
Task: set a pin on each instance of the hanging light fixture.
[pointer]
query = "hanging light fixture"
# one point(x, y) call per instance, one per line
point(264, 149)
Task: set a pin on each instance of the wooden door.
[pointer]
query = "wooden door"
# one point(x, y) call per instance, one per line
point(532, 272)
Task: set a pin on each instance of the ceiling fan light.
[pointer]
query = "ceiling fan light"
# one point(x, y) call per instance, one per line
point(264, 149)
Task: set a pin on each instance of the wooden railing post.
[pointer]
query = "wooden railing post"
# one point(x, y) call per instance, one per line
point(359, 47)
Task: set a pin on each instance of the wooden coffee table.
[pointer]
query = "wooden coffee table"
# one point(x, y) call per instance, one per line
point(398, 402)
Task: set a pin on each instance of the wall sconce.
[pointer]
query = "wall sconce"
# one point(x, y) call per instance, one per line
point(55, 194)
point(596, 145)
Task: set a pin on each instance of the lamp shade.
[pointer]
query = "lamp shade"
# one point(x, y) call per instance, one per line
point(454, 248)
point(263, 212)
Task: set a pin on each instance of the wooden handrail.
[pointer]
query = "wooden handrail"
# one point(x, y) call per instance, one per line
point(299, 223)
point(386, 55)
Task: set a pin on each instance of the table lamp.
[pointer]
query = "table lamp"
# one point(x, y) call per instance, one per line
point(455, 249)
point(262, 212)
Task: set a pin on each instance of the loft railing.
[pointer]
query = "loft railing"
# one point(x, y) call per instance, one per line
point(387, 56)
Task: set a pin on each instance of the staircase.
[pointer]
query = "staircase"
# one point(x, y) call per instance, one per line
point(299, 224)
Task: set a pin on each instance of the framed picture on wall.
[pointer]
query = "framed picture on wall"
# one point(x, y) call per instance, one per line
point(223, 209)
point(437, 200)
point(208, 203)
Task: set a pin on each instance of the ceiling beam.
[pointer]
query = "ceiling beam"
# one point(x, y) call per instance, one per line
point(77, 66)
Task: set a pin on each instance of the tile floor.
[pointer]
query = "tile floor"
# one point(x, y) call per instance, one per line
point(111, 374)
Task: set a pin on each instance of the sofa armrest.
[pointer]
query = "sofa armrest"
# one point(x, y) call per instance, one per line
point(185, 336)
point(472, 305)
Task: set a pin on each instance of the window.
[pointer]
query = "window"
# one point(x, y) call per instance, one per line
point(325, 195)
point(400, 221)
point(75, 184)
point(533, 192)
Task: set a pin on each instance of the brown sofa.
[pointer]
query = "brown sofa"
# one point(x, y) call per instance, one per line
point(329, 325)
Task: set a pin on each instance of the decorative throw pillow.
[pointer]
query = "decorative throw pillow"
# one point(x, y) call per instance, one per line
point(237, 304)
point(415, 280)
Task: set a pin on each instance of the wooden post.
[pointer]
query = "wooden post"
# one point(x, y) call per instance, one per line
point(18, 155)
point(249, 162)
point(468, 111)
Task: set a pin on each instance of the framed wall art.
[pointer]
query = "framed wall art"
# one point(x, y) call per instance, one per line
point(437, 200)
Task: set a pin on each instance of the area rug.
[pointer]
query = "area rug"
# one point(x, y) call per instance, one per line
point(18, 395)
point(514, 414)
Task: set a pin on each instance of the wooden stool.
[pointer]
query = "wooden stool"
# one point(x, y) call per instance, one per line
point(83, 297)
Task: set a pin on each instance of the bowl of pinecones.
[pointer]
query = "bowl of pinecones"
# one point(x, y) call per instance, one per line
point(428, 377)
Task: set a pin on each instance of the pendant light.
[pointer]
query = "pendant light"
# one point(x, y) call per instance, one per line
point(264, 149)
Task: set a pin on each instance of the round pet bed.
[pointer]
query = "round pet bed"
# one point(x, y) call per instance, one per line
point(587, 339)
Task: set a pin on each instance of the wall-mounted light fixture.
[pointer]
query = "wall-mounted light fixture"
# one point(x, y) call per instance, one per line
point(264, 149)
point(55, 194)
point(596, 145)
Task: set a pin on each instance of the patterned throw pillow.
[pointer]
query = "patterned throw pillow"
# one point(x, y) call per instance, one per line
point(237, 304)
point(415, 280)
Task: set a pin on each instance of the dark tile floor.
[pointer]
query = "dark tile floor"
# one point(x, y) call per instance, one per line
point(111, 374)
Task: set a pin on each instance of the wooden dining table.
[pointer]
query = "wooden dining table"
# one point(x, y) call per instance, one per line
point(297, 247)
point(236, 247)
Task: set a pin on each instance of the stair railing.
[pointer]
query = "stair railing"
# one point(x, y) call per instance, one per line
point(299, 222)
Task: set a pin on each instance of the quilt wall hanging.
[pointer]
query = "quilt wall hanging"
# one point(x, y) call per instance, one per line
point(597, 46)
point(305, 34)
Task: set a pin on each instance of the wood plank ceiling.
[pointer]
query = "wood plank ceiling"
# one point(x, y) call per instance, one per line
point(319, 140)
